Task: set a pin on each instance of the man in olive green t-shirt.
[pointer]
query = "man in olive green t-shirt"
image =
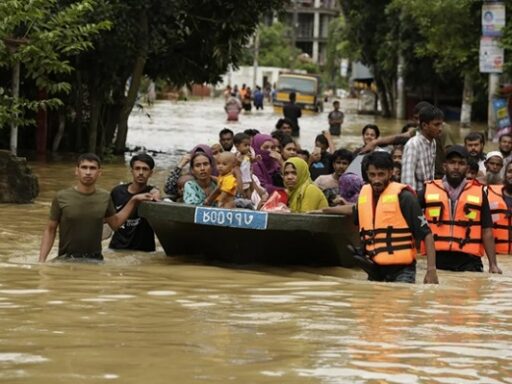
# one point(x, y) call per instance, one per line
point(79, 213)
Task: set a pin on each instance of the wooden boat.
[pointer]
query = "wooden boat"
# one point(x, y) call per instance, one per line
point(252, 237)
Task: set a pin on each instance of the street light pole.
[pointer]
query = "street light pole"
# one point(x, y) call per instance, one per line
point(492, 54)
point(494, 84)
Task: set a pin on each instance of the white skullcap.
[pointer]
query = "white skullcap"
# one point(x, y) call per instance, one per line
point(494, 154)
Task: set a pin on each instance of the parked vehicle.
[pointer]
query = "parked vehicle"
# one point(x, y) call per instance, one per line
point(308, 88)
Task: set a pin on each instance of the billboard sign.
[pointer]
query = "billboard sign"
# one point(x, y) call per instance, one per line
point(492, 55)
point(493, 19)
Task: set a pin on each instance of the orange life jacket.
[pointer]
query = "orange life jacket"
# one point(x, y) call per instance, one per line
point(501, 218)
point(385, 234)
point(459, 232)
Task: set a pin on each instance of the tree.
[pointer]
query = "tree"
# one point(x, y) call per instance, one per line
point(39, 37)
point(180, 41)
point(336, 50)
point(372, 35)
point(276, 48)
point(450, 31)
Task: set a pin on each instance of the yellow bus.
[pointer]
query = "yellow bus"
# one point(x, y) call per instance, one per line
point(307, 87)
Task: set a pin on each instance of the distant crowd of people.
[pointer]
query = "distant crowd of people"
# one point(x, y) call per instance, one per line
point(414, 190)
point(243, 98)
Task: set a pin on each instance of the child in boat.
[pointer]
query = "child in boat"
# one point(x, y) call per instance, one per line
point(244, 156)
point(226, 189)
point(182, 180)
point(216, 150)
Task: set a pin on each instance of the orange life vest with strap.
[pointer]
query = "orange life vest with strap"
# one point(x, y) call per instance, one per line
point(385, 234)
point(501, 218)
point(461, 231)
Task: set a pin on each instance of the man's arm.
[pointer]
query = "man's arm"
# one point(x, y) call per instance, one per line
point(155, 192)
point(338, 210)
point(115, 221)
point(48, 239)
point(431, 275)
point(490, 250)
point(418, 224)
point(328, 136)
point(488, 235)
point(330, 119)
point(386, 140)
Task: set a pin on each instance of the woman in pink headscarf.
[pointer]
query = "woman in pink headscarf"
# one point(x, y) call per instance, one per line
point(171, 184)
point(267, 168)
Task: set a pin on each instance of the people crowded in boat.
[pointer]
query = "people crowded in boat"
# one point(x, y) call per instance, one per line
point(271, 172)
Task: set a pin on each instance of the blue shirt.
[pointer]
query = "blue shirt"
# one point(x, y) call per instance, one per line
point(193, 194)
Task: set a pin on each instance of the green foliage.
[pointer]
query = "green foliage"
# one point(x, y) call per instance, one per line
point(372, 36)
point(307, 66)
point(91, 48)
point(438, 40)
point(337, 48)
point(42, 35)
point(506, 39)
point(450, 32)
point(197, 42)
point(179, 42)
point(276, 48)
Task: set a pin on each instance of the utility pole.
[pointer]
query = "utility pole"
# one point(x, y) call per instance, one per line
point(491, 54)
point(400, 81)
point(255, 62)
point(230, 66)
point(295, 23)
point(400, 88)
point(494, 84)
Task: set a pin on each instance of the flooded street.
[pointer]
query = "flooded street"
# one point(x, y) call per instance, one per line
point(149, 318)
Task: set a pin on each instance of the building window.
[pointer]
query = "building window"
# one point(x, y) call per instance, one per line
point(305, 26)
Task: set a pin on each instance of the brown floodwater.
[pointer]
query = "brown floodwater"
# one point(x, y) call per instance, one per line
point(149, 318)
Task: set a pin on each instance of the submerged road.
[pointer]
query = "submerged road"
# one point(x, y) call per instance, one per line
point(148, 318)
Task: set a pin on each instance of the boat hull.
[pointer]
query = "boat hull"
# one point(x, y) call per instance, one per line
point(288, 239)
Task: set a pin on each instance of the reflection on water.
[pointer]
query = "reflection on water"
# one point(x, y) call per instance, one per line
point(149, 318)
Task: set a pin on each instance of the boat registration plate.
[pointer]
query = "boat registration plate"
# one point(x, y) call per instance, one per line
point(231, 218)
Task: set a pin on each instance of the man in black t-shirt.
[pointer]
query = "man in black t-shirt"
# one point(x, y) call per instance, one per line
point(293, 112)
point(135, 233)
point(335, 118)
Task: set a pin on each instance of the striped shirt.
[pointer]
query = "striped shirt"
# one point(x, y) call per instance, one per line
point(418, 161)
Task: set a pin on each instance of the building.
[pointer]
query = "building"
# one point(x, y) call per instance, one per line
point(310, 21)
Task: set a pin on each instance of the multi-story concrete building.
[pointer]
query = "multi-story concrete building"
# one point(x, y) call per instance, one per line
point(310, 20)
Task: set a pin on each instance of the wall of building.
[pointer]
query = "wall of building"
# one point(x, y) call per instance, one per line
point(312, 25)
point(245, 75)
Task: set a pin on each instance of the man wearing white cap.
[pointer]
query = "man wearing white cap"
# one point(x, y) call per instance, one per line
point(493, 165)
